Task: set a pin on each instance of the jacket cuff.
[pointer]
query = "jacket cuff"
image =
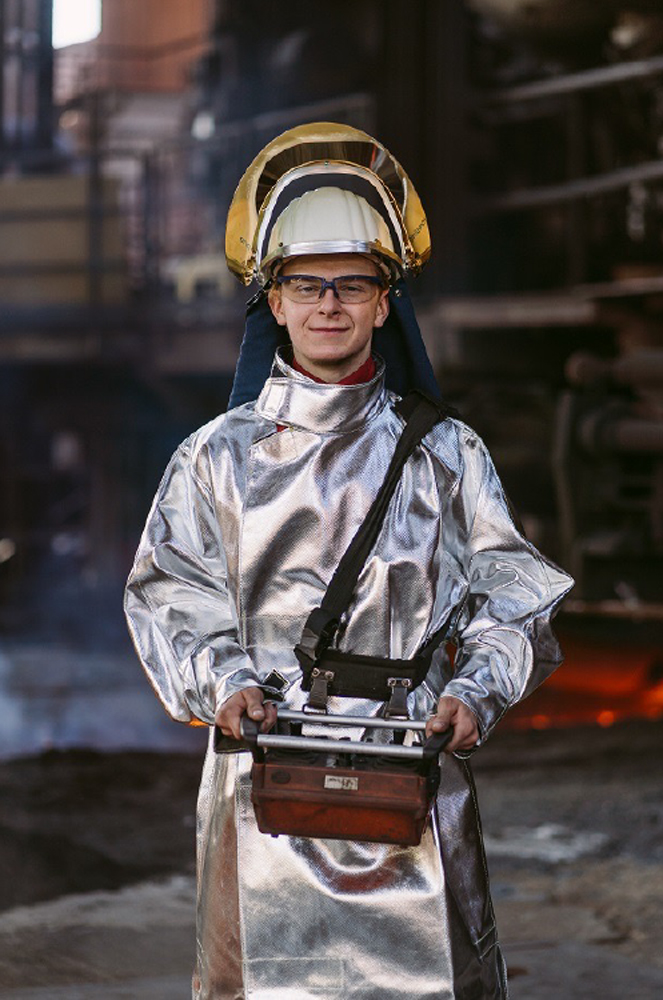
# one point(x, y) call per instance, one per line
point(487, 711)
point(230, 683)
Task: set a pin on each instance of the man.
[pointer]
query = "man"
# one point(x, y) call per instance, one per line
point(330, 341)
point(245, 533)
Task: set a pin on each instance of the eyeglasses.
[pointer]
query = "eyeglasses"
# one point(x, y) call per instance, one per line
point(348, 288)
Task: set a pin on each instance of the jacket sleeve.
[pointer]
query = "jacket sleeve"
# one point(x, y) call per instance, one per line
point(181, 617)
point(506, 646)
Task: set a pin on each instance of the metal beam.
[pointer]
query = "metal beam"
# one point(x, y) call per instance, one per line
point(520, 311)
point(635, 610)
point(572, 83)
point(585, 187)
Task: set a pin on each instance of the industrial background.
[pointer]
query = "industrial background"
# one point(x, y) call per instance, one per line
point(533, 131)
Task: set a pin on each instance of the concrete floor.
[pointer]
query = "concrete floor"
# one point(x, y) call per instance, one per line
point(574, 830)
point(137, 944)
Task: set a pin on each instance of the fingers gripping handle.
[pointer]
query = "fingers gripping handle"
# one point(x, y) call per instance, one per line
point(227, 744)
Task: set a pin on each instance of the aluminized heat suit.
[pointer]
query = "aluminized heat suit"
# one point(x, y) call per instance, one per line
point(246, 530)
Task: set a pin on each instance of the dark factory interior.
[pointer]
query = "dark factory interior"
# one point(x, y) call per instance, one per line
point(533, 131)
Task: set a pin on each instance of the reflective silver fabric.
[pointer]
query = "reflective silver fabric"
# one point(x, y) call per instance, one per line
point(244, 534)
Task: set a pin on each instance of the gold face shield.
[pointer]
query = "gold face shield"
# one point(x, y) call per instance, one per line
point(308, 158)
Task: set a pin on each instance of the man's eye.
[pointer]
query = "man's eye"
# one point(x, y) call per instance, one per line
point(352, 287)
point(305, 287)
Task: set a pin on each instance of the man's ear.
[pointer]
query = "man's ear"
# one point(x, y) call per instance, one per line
point(276, 305)
point(382, 310)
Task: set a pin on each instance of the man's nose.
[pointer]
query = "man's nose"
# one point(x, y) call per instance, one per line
point(328, 301)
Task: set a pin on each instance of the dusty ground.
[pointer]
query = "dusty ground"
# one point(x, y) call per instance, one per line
point(574, 831)
point(96, 868)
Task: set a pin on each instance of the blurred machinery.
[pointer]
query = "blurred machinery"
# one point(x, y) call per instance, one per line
point(533, 130)
point(26, 80)
point(569, 184)
point(559, 22)
point(609, 477)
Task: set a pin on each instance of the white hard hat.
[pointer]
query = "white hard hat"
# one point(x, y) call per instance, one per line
point(326, 220)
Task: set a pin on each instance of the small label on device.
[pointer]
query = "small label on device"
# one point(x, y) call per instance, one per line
point(341, 783)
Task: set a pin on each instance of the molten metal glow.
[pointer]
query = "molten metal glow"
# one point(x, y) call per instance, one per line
point(598, 684)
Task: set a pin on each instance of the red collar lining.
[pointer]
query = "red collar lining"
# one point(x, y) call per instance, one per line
point(364, 373)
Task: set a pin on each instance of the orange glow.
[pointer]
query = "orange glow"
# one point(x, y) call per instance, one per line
point(653, 702)
point(618, 671)
point(600, 684)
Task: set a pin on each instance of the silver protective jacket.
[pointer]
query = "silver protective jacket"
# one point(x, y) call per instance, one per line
point(248, 525)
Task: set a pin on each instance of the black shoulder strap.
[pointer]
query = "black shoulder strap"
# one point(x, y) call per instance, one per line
point(421, 414)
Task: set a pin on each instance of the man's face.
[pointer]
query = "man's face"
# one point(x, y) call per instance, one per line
point(330, 339)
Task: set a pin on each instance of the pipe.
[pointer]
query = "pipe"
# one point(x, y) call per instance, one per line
point(637, 436)
point(603, 431)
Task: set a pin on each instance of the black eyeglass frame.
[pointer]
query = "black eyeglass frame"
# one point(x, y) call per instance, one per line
point(373, 279)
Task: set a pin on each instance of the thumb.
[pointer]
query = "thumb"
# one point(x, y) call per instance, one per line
point(254, 706)
point(444, 715)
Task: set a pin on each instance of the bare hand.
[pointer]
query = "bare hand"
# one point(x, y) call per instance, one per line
point(249, 701)
point(452, 712)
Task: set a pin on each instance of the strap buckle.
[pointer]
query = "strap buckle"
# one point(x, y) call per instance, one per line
point(317, 635)
point(321, 679)
point(397, 705)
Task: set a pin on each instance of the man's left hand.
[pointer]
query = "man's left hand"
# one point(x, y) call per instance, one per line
point(452, 712)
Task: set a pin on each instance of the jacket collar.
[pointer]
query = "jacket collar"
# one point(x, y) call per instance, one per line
point(293, 399)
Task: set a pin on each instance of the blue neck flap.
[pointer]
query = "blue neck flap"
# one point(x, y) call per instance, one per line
point(398, 341)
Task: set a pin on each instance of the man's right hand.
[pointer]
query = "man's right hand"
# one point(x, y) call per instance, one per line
point(249, 701)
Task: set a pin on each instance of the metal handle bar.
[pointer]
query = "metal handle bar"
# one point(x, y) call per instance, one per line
point(368, 722)
point(251, 734)
point(339, 746)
